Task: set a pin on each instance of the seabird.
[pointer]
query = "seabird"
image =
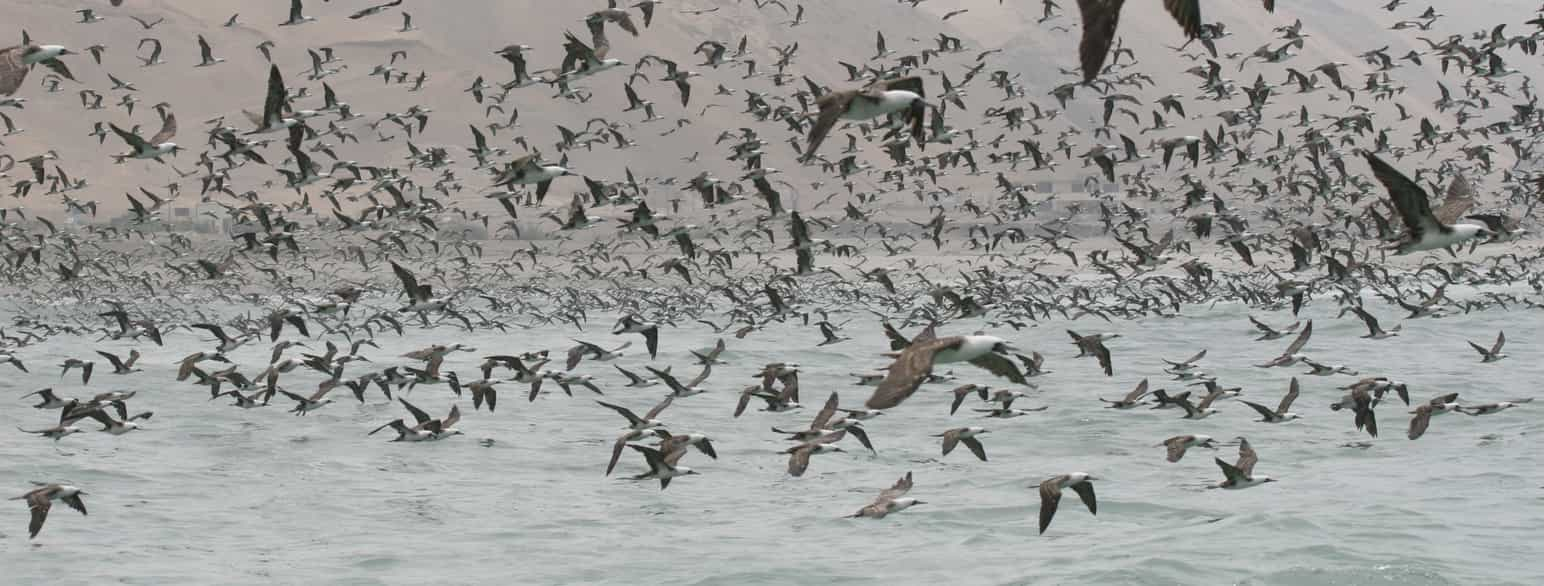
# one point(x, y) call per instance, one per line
point(676, 388)
point(1422, 414)
point(1093, 345)
point(629, 324)
point(1424, 229)
point(915, 363)
point(427, 428)
point(1489, 408)
point(799, 456)
point(1269, 333)
point(50, 400)
point(1494, 353)
point(877, 99)
point(661, 465)
point(17, 60)
point(275, 104)
point(1178, 444)
point(155, 148)
point(593, 352)
point(1241, 474)
point(890, 500)
point(1051, 493)
point(296, 15)
point(1291, 356)
point(40, 500)
point(1202, 410)
point(1281, 414)
point(1132, 399)
point(967, 436)
point(963, 391)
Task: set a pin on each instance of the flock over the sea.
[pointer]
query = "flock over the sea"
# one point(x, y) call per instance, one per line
point(1355, 199)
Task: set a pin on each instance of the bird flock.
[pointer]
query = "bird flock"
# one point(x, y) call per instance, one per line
point(1276, 208)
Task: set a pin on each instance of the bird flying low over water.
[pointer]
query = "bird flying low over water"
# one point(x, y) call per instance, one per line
point(913, 365)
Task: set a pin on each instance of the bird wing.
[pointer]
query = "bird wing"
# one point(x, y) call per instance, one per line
point(657, 409)
point(1412, 203)
point(1139, 392)
point(1286, 402)
point(12, 70)
point(1500, 341)
point(1301, 340)
point(897, 490)
point(826, 411)
point(1050, 495)
point(39, 504)
point(1002, 366)
point(1085, 492)
point(1187, 13)
point(409, 282)
point(1103, 354)
point(905, 376)
point(831, 107)
point(133, 140)
point(168, 130)
point(625, 412)
point(1459, 200)
point(418, 414)
point(1100, 17)
point(1246, 457)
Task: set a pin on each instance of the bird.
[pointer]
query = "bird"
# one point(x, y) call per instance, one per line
point(890, 500)
point(1241, 474)
point(1178, 444)
point(17, 60)
point(40, 500)
point(1425, 229)
point(877, 99)
point(158, 146)
point(1494, 353)
point(662, 466)
point(1281, 413)
point(967, 436)
point(1132, 399)
point(913, 365)
point(1051, 492)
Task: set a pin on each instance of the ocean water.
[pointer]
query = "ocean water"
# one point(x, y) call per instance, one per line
point(213, 494)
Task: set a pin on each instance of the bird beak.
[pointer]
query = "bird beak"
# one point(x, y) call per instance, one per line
point(68, 52)
point(915, 503)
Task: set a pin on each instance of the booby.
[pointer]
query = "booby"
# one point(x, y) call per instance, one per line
point(1132, 399)
point(1494, 353)
point(17, 60)
point(1426, 230)
point(799, 456)
point(662, 466)
point(629, 324)
point(40, 500)
point(155, 148)
point(1290, 356)
point(1489, 408)
point(275, 104)
point(1281, 413)
point(912, 367)
point(1423, 413)
point(890, 500)
point(1241, 474)
point(1051, 493)
point(877, 99)
point(1178, 444)
point(967, 436)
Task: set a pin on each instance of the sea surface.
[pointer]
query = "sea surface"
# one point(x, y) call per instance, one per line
point(213, 494)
